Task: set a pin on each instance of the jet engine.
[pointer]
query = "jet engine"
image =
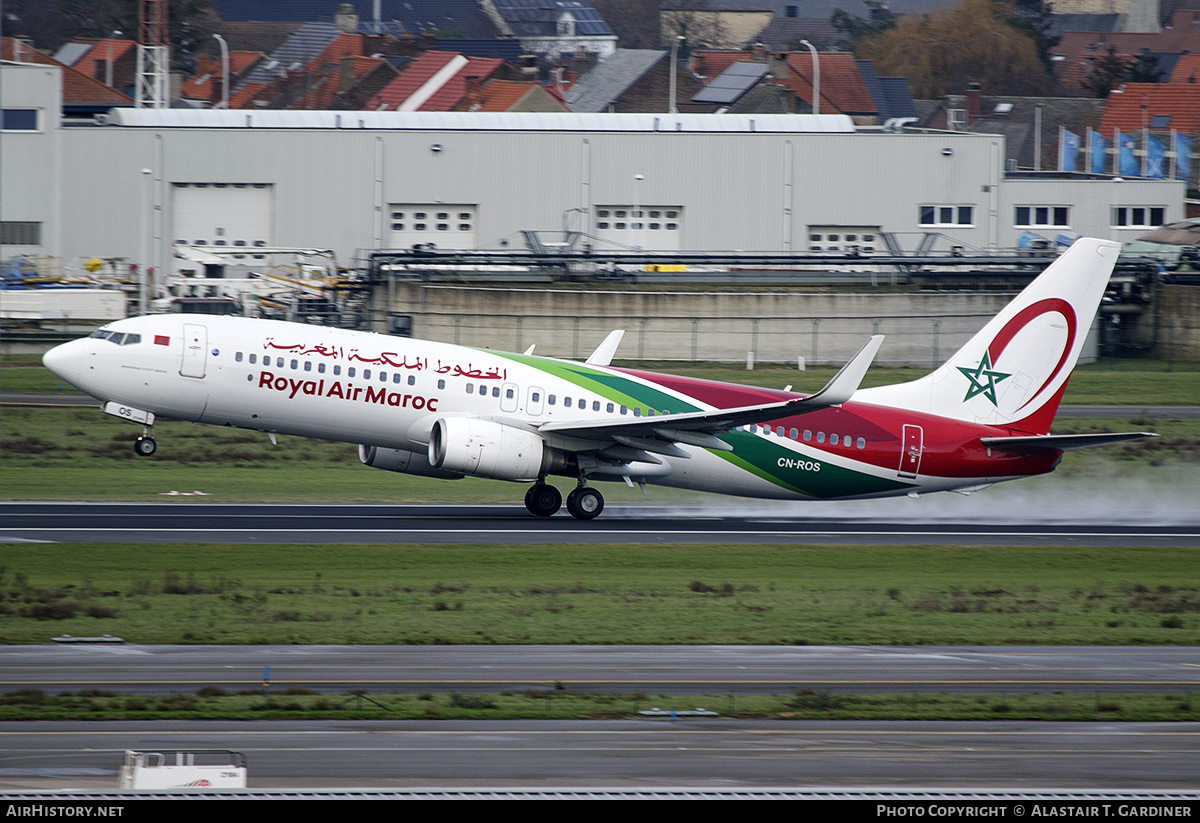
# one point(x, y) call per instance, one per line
point(402, 460)
point(488, 449)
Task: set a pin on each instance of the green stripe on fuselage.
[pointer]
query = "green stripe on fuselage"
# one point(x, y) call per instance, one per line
point(615, 387)
point(811, 476)
point(753, 453)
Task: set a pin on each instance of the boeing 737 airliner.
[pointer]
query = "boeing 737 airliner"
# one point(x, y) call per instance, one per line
point(448, 411)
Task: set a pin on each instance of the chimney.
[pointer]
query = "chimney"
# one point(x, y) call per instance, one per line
point(346, 19)
point(760, 52)
point(347, 73)
point(428, 40)
point(474, 96)
point(974, 103)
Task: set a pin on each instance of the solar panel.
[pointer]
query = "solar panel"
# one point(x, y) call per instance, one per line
point(732, 83)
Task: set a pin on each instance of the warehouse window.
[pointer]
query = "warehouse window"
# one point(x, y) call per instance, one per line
point(1036, 217)
point(939, 215)
point(19, 120)
point(16, 233)
point(1138, 217)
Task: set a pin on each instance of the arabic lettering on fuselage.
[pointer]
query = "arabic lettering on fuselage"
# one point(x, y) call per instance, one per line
point(392, 359)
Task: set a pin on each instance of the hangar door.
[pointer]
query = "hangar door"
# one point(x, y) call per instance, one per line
point(222, 214)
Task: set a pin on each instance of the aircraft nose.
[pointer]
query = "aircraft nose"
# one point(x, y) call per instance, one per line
point(66, 361)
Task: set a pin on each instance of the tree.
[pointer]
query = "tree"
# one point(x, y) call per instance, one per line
point(635, 22)
point(854, 29)
point(944, 50)
point(1113, 70)
point(695, 21)
point(50, 23)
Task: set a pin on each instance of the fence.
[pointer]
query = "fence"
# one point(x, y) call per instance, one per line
point(911, 340)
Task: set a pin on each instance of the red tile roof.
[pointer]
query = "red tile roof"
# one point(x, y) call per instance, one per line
point(453, 90)
point(1187, 69)
point(503, 95)
point(203, 84)
point(77, 88)
point(841, 85)
point(1077, 51)
point(1123, 109)
point(93, 63)
point(414, 76)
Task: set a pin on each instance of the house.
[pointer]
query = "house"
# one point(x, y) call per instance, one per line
point(82, 95)
point(111, 61)
point(1017, 119)
point(848, 86)
point(635, 80)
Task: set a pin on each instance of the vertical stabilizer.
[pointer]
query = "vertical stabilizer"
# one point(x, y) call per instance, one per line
point(1014, 371)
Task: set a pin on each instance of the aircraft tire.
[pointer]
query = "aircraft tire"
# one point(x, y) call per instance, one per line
point(145, 446)
point(543, 500)
point(585, 504)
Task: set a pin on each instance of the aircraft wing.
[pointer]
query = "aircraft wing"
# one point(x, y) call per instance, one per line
point(1059, 442)
point(658, 434)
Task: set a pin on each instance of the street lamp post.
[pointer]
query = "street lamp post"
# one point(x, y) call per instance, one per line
point(816, 61)
point(674, 69)
point(224, 71)
point(108, 71)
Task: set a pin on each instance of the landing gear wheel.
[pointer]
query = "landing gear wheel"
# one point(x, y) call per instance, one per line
point(145, 446)
point(585, 504)
point(543, 500)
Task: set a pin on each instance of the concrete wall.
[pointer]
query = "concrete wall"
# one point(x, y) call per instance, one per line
point(1179, 322)
point(921, 329)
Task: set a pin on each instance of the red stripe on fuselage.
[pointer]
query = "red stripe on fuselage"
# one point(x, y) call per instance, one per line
point(951, 447)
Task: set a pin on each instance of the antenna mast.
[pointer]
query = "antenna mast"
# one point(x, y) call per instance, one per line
point(153, 55)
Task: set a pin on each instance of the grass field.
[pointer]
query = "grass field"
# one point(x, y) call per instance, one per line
point(217, 703)
point(607, 594)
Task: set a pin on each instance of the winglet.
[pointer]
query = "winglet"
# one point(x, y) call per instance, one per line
point(603, 354)
point(845, 383)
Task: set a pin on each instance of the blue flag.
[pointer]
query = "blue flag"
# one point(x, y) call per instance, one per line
point(1069, 151)
point(1098, 146)
point(1127, 159)
point(1183, 157)
point(1156, 155)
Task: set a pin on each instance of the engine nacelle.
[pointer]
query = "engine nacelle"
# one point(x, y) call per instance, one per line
point(487, 449)
point(402, 460)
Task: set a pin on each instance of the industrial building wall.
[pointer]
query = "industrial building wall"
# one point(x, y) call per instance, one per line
point(114, 191)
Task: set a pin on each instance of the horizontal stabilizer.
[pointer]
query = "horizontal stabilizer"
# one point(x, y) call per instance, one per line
point(604, 353)
point(1059, 442)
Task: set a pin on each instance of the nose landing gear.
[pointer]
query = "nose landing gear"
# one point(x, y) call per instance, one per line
point(145, 445)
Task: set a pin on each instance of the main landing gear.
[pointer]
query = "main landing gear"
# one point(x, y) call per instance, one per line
point(583, 503)
point(145, 445)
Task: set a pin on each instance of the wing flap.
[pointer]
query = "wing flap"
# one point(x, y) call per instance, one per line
point(700, 428)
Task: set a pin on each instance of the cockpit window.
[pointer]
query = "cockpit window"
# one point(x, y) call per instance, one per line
point(117, 338)
point(101, 334)
point(132, 339)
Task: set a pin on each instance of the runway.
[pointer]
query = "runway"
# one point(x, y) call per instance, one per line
point(633, 754)
point(716, 671)
point(194, 521)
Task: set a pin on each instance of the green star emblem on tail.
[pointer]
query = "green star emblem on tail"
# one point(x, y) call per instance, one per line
point(983, 379)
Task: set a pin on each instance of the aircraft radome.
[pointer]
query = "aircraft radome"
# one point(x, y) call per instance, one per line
point(447, 411)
